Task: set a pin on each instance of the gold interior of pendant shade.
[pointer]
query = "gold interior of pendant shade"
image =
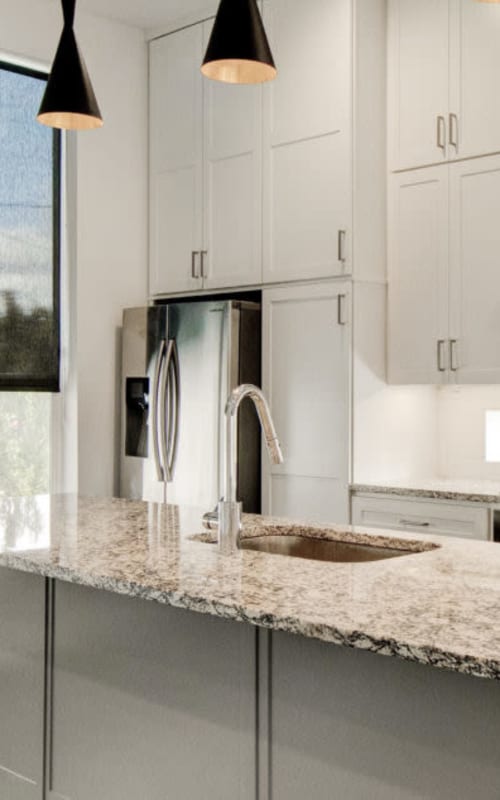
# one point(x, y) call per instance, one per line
point(69, 121)
point(235, 70)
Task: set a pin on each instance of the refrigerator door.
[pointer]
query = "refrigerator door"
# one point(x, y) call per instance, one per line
point(207, 357)
point(145, 353)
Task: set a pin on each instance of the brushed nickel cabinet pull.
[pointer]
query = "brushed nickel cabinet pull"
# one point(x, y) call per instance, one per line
point(341, 309)
point(194, 269)
point(441, 365)
point(454, 357)
point(203, 271)
point(441, 133)
point(414, 523)
point(341, 249)
point(453, 130)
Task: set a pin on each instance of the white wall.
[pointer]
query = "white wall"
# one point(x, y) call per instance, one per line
point(395, 428)
point(111, 212)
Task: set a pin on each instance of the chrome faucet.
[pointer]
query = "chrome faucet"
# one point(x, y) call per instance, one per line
point(229, 508)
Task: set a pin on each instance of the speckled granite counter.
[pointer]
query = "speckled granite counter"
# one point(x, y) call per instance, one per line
point(487, 492)
point(438, 607)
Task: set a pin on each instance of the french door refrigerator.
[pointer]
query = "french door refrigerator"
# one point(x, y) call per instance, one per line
point(180, 362)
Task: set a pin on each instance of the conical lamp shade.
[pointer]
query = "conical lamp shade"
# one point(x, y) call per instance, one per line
point(69, 100)
point(238, 50)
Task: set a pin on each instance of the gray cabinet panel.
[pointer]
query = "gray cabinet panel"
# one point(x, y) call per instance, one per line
point(352, 725)
point(22, 659)
point(150, 702)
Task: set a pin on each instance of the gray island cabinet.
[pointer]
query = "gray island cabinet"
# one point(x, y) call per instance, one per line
point(105, 695)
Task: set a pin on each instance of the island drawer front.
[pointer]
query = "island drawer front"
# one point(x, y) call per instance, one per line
point(448, 519)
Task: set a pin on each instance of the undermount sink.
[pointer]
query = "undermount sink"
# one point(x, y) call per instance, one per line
point(320, 549)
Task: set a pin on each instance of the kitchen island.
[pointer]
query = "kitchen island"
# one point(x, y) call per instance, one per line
point(104, 695)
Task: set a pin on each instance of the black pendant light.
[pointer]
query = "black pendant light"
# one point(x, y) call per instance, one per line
point(69, 100)
point(238, 50)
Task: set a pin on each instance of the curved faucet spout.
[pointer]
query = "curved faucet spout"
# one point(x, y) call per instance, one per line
point(229, 508)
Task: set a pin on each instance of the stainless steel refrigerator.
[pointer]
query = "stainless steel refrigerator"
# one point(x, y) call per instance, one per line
point(180, 362)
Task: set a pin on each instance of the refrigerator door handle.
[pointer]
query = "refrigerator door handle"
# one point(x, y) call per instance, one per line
point(156, 403)
point(164, 409)
point(173, 407)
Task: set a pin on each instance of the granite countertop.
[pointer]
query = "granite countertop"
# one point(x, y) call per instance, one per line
point(478, 491)
point(440, 606)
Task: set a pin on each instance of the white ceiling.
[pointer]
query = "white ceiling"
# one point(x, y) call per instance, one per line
point(146, 14)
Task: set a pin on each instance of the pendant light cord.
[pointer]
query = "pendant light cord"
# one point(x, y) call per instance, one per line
point(68, 7)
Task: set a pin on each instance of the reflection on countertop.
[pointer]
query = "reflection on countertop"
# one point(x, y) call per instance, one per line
point(439, 607)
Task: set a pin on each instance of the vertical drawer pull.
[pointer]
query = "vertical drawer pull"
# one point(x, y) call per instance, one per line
point(341, 309)
point(341, 249)
point(454, 358)
point(194, 268)
point(453, 130)
point(441, 362)
point(441, 133)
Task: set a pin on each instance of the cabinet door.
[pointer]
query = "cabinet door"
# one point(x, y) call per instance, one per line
point(176, 141)
point(22, 667)
point(149, 701)
point(307, 162)
point(233, 183)
point(475, 67)
point(306, 378)
point(418, 277)
point(418, 82)
point(474, 273)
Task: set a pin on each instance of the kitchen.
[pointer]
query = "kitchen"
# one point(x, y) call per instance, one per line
point(366, 726)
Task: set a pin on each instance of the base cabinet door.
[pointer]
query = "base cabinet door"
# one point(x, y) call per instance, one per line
point(149, 702)
point(353, 725)
point(22, 661)
point(306, 336)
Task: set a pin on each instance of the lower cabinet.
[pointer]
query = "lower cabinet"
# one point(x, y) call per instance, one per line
point(22, 667)
point(149, 702)
point(306, 377)
point(465, 520)
point(353, 725)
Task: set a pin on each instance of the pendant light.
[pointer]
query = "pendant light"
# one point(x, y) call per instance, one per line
point(69, 100)
point(238, 50)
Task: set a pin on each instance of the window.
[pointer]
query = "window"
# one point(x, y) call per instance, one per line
point(29, 236)
point(30, 157)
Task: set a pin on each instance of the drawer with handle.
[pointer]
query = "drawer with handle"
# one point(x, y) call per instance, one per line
point(422, 516)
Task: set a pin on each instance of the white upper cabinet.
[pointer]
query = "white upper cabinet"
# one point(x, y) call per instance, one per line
point(474, 270)
point(233, 183)
point(474, 77)
point(205, 171)
point(418, 277)
point(444, 61)
point(176, 171)
point(307, 140)
point(418, 82)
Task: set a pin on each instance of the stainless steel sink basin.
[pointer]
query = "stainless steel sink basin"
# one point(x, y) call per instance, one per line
point(320, 549)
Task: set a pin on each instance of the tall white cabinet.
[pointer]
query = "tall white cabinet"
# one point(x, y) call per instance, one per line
point(205, 172)
point(306, 377)
point(444, 237)
point(307, 140)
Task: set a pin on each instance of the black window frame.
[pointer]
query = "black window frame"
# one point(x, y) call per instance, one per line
point(36, 383)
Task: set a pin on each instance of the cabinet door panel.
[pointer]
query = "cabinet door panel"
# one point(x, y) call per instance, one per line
point(22, 666)
point(418, 84)
point(306, 378)
point(176, 131)
point(474, 275)
point(475, 66)
point(307, 169)
point(418, 276)
point(150, 701)
point(233, 183)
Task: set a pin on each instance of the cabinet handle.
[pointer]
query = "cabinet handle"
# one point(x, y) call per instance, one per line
point(194, 270)
point(440, 355)
point(453, 130)
point(341, 249)
point(454, 359)
point(414, 523)
point(341, 309)
point(203, 271)
point(441, 133)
